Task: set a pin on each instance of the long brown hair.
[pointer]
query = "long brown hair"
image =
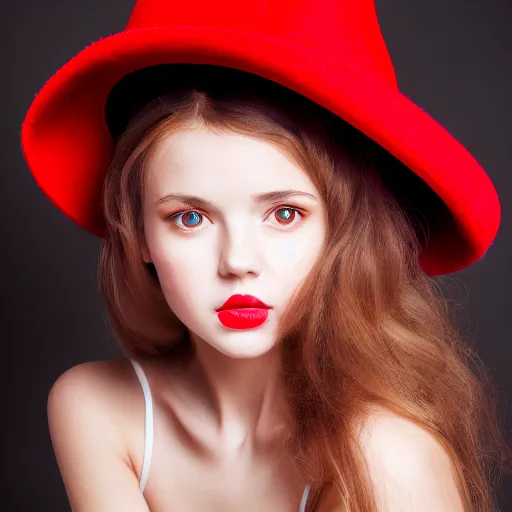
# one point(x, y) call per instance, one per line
point(366, 327)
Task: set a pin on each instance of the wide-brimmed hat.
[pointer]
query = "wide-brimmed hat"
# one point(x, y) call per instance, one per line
point(332, 53)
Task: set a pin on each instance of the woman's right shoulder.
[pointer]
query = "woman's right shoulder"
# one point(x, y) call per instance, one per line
point(100, 391)
point(90, 409)
point(97, 382)
point(95, 393)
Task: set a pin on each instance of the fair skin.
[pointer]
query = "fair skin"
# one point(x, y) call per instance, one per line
point(217, 418)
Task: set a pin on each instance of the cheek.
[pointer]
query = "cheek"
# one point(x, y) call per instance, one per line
point(288, 254)
point(296, 254)
point(182, 275)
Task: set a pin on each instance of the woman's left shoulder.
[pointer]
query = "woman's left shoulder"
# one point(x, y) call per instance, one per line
point(396, 441)
point(407, 462)
point(384, 430)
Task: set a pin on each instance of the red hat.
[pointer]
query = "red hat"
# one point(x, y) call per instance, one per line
point(332, 53)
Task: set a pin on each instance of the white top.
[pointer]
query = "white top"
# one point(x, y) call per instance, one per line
point(148, 442)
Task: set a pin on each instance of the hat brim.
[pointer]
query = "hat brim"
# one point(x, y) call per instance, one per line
point(68, 146)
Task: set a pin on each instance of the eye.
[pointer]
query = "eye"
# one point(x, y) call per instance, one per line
point(191, 220)
point(286, 215)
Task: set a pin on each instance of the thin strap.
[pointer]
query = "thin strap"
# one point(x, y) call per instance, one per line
point(148, 443)
point(304, 499)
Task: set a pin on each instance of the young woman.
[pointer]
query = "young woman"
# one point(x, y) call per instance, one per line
point(270, 241)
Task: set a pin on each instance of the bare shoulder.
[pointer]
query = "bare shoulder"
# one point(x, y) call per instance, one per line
point(89, 407)
point(109, 378)
point(410, 468)
point(394, 441)
point(97, 388)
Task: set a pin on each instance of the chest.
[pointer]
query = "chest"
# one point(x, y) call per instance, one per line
point(183, 477)
point(209, 491)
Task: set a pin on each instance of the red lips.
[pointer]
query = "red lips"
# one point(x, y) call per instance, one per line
point(243, 312)
point(243, 301)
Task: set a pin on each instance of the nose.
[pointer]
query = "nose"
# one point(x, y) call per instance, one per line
point(239, 253)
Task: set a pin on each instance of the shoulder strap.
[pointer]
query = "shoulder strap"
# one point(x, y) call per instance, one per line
point(148, 443)
point(304, 499)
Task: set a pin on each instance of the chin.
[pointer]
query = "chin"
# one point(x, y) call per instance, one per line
point(243, 344)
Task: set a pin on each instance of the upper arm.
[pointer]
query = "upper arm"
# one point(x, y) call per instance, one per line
point(90, 452)
point(410, 470)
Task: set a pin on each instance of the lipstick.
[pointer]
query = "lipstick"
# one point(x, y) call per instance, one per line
point(243, 312)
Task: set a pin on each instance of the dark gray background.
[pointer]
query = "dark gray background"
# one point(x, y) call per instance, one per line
point(452, 57)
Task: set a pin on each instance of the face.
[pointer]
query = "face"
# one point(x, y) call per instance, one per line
point(232, 239)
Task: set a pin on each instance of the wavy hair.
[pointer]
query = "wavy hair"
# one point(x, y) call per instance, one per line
point(366, 327)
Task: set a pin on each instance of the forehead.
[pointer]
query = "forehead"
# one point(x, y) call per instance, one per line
point(204, 161)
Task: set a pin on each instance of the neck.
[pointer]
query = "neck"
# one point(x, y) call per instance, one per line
point(245, 396)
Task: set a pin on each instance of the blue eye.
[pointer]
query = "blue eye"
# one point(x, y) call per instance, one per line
point(192, 219)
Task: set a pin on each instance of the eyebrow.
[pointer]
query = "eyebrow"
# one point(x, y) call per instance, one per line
point(265, 197)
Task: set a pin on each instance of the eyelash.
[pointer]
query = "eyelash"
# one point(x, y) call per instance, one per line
point(296, 209)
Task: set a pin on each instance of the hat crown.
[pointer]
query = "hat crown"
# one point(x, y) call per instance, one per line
point(345, 29)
